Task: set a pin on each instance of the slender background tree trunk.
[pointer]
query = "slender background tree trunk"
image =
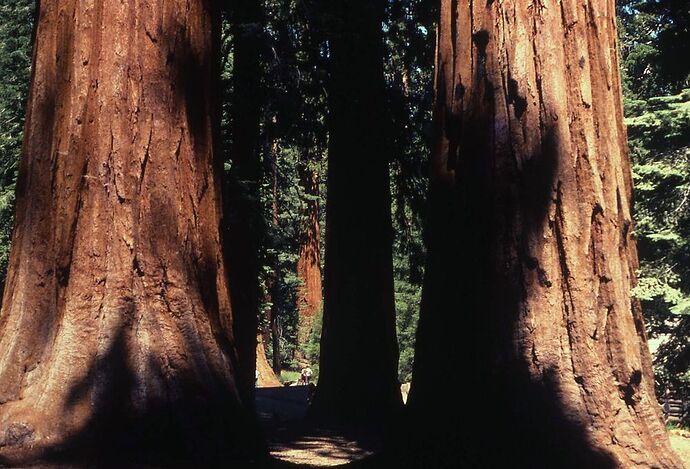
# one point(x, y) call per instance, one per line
point(532, 249)
point(116, 326)
point(273, 317)
point(359, 352)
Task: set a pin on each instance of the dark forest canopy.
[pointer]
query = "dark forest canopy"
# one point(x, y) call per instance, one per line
point(283, 94)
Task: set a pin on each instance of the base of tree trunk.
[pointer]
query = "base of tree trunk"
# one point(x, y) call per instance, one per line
point(116, 336)
point(181, 434)
point(266, 376)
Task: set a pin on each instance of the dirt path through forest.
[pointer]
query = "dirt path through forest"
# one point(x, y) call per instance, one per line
point(291, 439)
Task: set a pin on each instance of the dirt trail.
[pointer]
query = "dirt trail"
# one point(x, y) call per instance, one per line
point(291, 439)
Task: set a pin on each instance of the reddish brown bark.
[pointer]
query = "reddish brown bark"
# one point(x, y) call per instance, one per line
point(531, 248)
point(309, 295)
point(265, 377)
point(115, 333)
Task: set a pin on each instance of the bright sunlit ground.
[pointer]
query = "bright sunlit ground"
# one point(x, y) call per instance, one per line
point(680, 440)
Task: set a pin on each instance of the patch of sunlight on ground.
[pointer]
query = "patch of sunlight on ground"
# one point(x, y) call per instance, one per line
point(680, 441)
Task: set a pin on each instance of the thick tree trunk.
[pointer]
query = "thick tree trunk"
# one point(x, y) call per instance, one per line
point(115, 333)
point(531, 249)
point(359, 352)
point(243, 229)
point(309, 295)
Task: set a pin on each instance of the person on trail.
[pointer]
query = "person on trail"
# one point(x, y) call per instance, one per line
point(305, 376)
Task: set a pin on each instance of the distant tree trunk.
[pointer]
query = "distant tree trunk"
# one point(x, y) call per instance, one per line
point(313, 142)
point(309, 296)
point(243, 230)
point(266, 377)
point(271, 330)
point(531, 250)
point(275, 280)
point(276, 360)
point(359, 352)
point(115, 332)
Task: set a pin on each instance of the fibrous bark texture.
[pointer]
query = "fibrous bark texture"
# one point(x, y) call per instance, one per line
point(531, 248)
point(244, 225)
point(309, 295)
point(115, 332)
point(359, 352)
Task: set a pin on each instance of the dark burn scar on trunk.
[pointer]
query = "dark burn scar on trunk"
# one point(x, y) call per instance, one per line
point(481, 40)
point(629, 390)
point(459, 91)
point(519, 102)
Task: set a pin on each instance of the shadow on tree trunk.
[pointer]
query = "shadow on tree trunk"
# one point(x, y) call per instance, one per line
point(186, 425)
point(473, 402)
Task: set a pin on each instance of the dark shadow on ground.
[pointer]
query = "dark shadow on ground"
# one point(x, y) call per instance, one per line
point(296, 441)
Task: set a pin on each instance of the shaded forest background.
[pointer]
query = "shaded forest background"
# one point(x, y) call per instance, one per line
point(290, 88)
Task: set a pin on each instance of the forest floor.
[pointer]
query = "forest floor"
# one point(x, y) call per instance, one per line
point(680, 440)
point(293, 440)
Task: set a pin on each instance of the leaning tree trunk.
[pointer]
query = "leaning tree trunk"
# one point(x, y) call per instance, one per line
point(243, 230)
point(359, 352)
point(115, 333)
point(532, 252)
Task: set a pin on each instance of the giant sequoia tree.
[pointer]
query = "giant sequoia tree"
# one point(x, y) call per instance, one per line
point(532, 249)
point(359, 354)
point(115, 332)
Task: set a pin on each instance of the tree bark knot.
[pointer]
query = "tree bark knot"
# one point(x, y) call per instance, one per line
point(17, 435)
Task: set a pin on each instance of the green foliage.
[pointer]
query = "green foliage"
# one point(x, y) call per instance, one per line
point(292, 141)
point(16, 19)
point(409, 75)
point(659, 137)
point(289, 376)
point(654, 38)
point(312, 349)
point(407, 303)
point(283, 201)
